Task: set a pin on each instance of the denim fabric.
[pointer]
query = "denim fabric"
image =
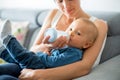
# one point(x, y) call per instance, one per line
point(25, 58)
point(7, 77)
point(2, 48)
point(10, 69)
point(60, 57)
point(28, 59)
point(4, 54)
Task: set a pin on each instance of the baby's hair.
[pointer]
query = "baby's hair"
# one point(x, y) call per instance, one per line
point(92, 31)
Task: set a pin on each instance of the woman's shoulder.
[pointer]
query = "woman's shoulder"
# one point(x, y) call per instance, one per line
point(53, 12)
point(101, 24)
point(51, 15)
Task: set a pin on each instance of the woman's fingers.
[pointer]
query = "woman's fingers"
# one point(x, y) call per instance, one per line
point(60, 42)
point(45, 39)
point(26, 74)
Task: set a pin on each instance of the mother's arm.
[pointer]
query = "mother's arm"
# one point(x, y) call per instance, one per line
point(37, 45)
point(73, 70)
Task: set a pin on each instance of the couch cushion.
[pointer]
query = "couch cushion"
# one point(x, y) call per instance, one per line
point(19, 30)
point(111, 49)
point(29, 35)
point(34, 35)
point(113, 37)
point(109, 70)
point(41, 17)
point(112, 19)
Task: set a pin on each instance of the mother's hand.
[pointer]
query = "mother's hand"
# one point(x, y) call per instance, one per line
point(59, 42)
point(46, 47)
point(29, 74)
point(43, 47)
point(26, 74)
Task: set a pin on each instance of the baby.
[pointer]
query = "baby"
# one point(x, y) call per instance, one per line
point(82, 34)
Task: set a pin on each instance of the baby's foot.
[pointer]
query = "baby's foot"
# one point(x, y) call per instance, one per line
point(5, 29)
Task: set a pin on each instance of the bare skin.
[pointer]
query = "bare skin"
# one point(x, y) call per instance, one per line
point(74, 70)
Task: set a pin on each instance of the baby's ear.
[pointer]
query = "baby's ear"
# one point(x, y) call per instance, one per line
point(87, 45)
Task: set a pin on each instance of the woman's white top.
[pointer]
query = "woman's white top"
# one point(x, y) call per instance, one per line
point(92, 18)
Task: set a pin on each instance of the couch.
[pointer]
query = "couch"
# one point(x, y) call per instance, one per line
point(109, 67)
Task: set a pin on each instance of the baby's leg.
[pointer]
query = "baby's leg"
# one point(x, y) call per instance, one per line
point(8, 77)
point(25, 58)
point(4, 54)
point(10, 69)
point(5, 30)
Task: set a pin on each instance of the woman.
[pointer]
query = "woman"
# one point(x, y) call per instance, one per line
point(67, 12)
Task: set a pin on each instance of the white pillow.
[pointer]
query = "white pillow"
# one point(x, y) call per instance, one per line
point(100, 53)
point(19, 30)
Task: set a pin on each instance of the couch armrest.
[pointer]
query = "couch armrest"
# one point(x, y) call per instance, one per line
point(109, 70)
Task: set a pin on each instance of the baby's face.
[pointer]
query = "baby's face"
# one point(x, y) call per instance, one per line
point(77, 32)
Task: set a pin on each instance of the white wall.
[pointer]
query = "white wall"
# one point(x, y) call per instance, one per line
point(28, 4)
point(104, 5)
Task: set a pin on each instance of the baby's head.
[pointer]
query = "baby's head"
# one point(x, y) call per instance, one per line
point(83, 33)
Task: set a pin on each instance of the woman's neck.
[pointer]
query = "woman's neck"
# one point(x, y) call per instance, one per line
point(65, 21)
point(79, 14)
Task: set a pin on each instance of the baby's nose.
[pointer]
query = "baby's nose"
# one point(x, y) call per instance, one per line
point(71, 33)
